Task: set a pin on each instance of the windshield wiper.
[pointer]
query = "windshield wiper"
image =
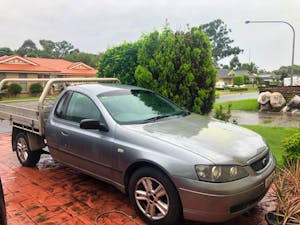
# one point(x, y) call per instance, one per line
point(155, 118)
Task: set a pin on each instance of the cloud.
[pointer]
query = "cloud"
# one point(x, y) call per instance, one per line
point(94, 25)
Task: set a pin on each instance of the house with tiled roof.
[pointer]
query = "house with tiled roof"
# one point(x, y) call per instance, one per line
point(226, 75)
point(15, 66)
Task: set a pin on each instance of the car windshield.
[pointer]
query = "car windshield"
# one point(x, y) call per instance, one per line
point(138, 106)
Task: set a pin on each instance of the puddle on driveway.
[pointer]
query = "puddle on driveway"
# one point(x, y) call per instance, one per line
point(266, 118)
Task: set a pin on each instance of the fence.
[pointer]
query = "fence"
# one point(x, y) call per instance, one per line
point(287, 91)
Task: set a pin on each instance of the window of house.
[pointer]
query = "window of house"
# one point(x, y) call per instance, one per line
point(23, 84)
point(2, 76)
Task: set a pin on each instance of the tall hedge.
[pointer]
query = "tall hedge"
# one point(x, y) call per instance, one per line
point(177, 64)
point(120, 62)
point(238, 80)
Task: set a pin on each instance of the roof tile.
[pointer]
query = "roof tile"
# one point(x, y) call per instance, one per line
point(60, 66)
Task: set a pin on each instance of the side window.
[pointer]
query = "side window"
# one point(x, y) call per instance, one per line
point(61, 105)
point(81, 107)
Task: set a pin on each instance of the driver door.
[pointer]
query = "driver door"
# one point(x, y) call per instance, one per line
point(87, 150)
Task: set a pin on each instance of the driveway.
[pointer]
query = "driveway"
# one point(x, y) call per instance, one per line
point(266, 118)
point(54, 194)
point(5, 127)
point(236, 97)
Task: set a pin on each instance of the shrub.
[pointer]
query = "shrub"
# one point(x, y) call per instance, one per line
point(238, 89)
point(286, 192)
point(3, 91)
point(238, 80)
point(14, 89)
point(176, 64)
point(36, 88)
point(220, 115)
point(4, 87)
point(291, 146)
point(246, 79)
point(120, 62)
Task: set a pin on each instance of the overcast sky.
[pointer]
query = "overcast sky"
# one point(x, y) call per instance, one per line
point(94, 25)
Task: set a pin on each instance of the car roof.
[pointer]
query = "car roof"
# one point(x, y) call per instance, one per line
point(97, 89)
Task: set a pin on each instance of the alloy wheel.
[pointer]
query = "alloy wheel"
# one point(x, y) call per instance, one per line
point(22, 149)
point(152, 198)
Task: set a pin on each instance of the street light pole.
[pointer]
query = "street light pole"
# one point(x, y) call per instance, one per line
point(293, 46)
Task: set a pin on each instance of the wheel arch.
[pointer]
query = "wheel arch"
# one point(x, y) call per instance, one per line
point(35, 141)
point(15, 132)
point(144, 164)
point(140, 164)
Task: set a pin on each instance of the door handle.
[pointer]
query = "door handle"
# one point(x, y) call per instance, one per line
point(64, 133)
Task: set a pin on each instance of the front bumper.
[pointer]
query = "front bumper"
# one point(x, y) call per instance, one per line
point(218, 202)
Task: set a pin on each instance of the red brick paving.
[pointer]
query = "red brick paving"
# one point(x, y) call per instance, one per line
point(54, 194)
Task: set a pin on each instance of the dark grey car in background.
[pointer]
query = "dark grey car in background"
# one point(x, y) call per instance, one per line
point(3, 220)
point(170, 162)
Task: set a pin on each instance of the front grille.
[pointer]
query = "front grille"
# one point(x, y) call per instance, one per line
point(261, 163)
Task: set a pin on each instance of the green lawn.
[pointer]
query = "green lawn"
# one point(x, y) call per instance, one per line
point(25, 98)
point(246, 105)
point(274, 136)
point(19, 98)
point(228, 92)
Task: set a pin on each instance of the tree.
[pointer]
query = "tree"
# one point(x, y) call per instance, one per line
point(218, 34)
point(48, 48)
point(238, 80)
point(28, 48)
point(246, 79)
point(235, 63)
point(120, 62)
point(5, 51)
point(63, 48)
point(259, 80)
point(179, 66)
point(285, 71)
point(87, 58)
point(251, 67)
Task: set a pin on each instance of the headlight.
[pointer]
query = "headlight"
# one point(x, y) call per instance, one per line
point(220, 174)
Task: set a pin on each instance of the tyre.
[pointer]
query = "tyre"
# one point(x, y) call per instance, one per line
point(25, 156)
point(154, 197)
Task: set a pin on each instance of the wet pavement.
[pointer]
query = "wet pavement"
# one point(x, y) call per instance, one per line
point(54, 194)
point(266, 118)
point(5, 126)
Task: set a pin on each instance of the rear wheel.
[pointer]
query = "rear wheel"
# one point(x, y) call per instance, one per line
point(25, 156)
point(154, 197)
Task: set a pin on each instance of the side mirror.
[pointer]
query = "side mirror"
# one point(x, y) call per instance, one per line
point(91, 124)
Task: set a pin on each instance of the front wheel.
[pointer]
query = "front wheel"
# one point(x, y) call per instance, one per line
point(25, 156)
point(154, 197)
